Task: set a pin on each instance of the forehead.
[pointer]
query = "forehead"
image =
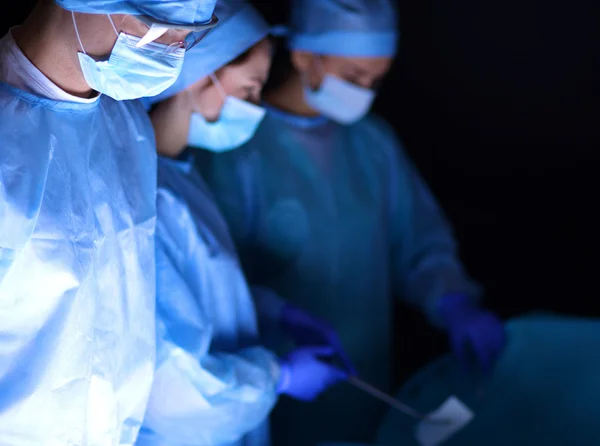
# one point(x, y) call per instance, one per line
point(257, 60)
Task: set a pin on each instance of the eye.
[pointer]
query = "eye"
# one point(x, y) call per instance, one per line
point(251, 94)
point(351, 76)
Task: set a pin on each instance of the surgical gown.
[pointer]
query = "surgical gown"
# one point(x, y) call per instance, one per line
point(77, 302)
point(214, 385)
point(336, 220)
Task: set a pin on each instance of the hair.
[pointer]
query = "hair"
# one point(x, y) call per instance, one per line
point(282, 68)
point(17, 13)
point(242, 57)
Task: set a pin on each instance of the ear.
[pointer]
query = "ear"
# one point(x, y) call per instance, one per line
point(199, 87)
point(302, 60)
point(199, 95)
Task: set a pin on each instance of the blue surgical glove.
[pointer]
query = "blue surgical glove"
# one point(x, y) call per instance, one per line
point(472, 330)
point(304, 376)
point(306, 329)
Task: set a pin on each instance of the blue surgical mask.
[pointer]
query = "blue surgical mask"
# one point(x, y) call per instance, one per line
point(340, 100)
point(131, 72)
point(237, 123)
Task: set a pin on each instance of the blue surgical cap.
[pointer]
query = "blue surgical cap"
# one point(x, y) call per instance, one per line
point(347, 28)
point(182, 12)
point(240, 27)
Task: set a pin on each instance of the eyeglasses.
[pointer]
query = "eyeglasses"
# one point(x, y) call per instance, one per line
point(195, 34)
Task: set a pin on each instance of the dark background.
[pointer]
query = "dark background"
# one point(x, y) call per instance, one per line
point(497, 103)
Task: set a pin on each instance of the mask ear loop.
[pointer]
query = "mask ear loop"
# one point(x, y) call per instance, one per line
point(220, 88)
point(192, 101)
point(321, 70)
point(305, 77)
point(77, 30)
point(113, 24)
point(77, 33)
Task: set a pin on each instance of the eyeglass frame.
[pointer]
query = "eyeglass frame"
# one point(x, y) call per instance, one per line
point(203, 28)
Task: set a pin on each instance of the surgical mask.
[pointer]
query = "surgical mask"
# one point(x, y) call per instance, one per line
point(131, 72)
point(237, 123)
point(340, 100)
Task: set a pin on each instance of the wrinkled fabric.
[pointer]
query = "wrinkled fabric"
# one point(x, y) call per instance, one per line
point(350, 28)
point(336, 220)
point(305, 329)
point(237, 123)
point(306, 373)
point(213, 384)
point(183, 12)
point(131, 72)
point(544, 390)
point(77, 219)
point(340, 100)
point(240, 27)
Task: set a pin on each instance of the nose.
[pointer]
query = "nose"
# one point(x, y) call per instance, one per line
point(368, 82)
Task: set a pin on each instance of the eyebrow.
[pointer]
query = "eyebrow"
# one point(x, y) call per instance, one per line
point(358, 70)
point(259, 78)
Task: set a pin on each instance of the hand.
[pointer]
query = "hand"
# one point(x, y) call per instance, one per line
point(306, 329)
point(304, 376)
point(472, 329)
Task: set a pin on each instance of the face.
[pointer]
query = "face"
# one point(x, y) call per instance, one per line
point(367, 72)
point(98, 35)
point(244, 80)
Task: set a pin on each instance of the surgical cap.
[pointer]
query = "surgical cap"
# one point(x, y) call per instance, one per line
point(240, 27)
point(347, 28)
point(182, 12)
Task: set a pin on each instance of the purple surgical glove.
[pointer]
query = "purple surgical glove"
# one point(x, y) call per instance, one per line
point(472, 330)
point(309, 330)
point(304, 376)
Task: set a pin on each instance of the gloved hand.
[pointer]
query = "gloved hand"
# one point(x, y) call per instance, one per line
point(306, 329)
point(304, 376)
point(472, 329)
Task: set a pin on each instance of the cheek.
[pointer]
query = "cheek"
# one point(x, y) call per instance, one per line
point(316, 74)
point(97, 34)
point(337, 72)
point(130, 25)
point(210, 104)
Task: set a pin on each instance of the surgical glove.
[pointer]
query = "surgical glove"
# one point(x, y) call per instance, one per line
point(306, 329)
point(472, 330)
point(304, 376)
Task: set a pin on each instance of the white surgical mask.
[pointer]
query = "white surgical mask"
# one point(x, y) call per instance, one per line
point(132, 72)
point(340, 100)
point(237, 123)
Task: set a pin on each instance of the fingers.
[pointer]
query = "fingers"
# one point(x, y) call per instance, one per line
point(461, 348)
point(334, 375)
point(488, 341)
point(348, 365)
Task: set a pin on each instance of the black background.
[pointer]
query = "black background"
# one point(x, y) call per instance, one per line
point(497, 103)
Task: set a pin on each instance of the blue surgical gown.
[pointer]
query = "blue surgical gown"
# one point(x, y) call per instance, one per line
point(336, 220)
point(214, 384)
point(77, 302)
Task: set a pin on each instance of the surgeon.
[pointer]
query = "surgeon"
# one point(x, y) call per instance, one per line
point(327, 210)
point(77, 214)
point(215, 384)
